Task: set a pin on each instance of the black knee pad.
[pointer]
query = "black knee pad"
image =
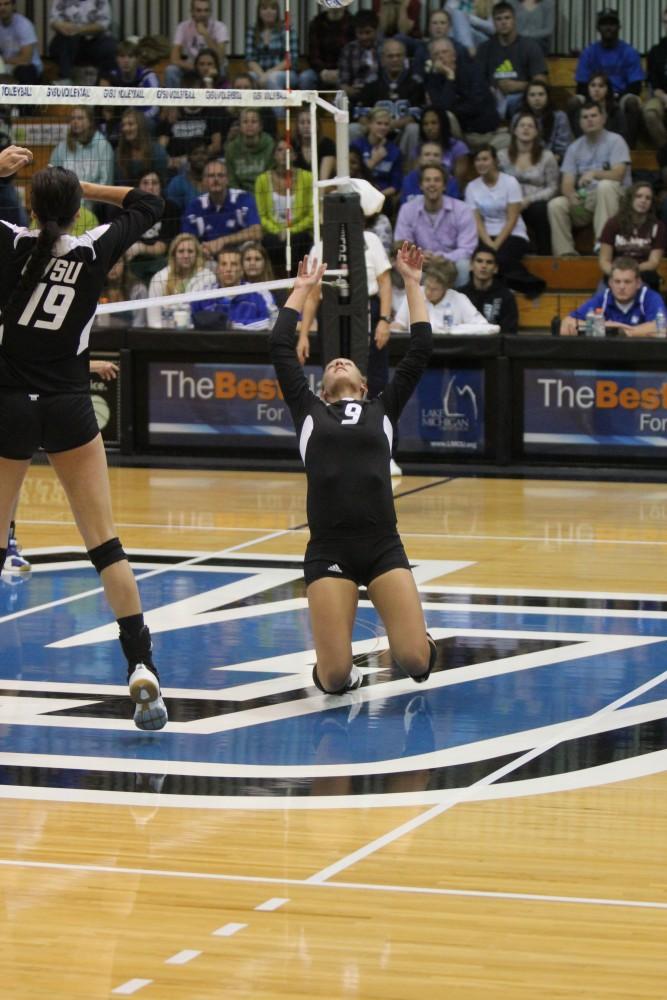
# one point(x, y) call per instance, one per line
point(106, 554)
point(432, 657)
point(3, 556)
point(318, 684)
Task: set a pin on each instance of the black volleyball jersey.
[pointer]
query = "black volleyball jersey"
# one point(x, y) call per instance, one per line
point(346, 446)
point(45, 347)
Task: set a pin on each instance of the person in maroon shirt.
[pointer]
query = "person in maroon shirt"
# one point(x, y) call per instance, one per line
point(635, 232)
point(328, 33)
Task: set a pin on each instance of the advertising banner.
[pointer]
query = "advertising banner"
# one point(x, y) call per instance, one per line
point(445, 413)
point(213, 405)
point(568, 409)
point(105, 395)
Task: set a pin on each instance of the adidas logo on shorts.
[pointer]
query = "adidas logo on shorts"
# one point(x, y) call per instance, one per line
point(334, 568)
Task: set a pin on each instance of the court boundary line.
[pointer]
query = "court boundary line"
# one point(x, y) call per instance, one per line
point(466, 794)
point(529, 897)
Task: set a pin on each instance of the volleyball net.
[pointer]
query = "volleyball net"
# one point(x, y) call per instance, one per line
point(169, 141)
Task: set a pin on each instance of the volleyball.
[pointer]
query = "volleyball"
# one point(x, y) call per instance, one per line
point(334, 4)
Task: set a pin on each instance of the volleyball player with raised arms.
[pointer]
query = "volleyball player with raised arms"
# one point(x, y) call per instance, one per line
point(345, 444)
point(50, 283)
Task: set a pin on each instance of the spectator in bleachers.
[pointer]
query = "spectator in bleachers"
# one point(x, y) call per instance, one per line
point(122, 285)
point(536, 170)
point(271, 200)
point(654, 110)
point(209, 70)
point(536, 19)
point(149, 254)
point(472, 23)
point(635, 232)
point(256, 267)
point(188, 182)
point(439, 277)
point(137, 150)
point(496, 201)
point(328, 34)
point(458, 87)
point(222, 216)
point(381, 156)
point(127, 73)
point(186, 271)
point(359, 62)
point(249, 153)
point(598, 89)
point(509, 61)
point(246, 311)
point(628, 304)
point(621, 63)
point(489, 294)
point(180, 129)
point(442, 226)
point(439, 27)
point(243, 81)
point(594, 170)
point(82, 36)
point(397, 91)
point(399, 17)
point(200, 31)
point(430, 153)
point(554, 124)
point(301, 148)
point(85, 150)
point(265, 48)
point(19, 47)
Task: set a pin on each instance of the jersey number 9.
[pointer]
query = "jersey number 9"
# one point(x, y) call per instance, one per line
point(352, 413)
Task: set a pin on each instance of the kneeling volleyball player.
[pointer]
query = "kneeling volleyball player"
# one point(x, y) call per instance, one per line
point(345, 443)
point(50, 283)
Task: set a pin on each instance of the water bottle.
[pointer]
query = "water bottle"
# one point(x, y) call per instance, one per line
point(599, 329)
point(589, 323)
point(661, 324)
point(447, 317)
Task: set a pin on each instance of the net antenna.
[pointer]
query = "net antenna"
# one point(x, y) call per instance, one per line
point(42, 136)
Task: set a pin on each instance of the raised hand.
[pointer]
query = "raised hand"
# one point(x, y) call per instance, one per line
point(309, 274)
point(13, 158)
point(409, 260)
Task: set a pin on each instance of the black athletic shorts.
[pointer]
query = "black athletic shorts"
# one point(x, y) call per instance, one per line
point(54, 422)
point(360, 559)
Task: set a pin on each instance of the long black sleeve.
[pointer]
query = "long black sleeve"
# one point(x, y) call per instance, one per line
point(408, 371)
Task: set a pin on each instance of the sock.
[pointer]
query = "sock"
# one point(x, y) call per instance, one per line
point(131, 625)
point(12, 531)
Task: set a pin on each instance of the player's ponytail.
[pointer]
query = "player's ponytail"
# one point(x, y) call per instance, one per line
point(55, 198)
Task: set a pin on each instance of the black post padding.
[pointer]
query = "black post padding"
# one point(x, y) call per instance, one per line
point(344, 317)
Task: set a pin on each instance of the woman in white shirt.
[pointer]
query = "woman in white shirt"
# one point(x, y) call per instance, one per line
point(446, 306)
point(496, 200)
point(186, 271)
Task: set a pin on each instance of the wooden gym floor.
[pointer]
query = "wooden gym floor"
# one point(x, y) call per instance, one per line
point(500, 832)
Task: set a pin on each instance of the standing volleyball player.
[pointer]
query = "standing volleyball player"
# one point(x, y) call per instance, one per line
point(345, 444)
point(50, 283)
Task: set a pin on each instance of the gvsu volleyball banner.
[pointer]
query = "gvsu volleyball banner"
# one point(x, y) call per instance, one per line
point(594, 411)
point(445, 413)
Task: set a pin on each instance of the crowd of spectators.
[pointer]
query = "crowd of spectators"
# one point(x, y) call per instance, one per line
point(452, 120)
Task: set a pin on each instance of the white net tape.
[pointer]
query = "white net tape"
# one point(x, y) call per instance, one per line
point(48, 94)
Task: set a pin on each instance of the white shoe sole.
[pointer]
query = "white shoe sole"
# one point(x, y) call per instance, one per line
point(152, 716)
point(144, 685)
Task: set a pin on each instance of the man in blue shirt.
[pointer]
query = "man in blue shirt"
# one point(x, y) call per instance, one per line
point(221, 217)
point(627, 304)
point(18, 44)
point(620, 62)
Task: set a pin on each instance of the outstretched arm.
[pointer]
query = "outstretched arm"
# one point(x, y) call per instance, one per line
point(409, 260)
point(308, 277)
